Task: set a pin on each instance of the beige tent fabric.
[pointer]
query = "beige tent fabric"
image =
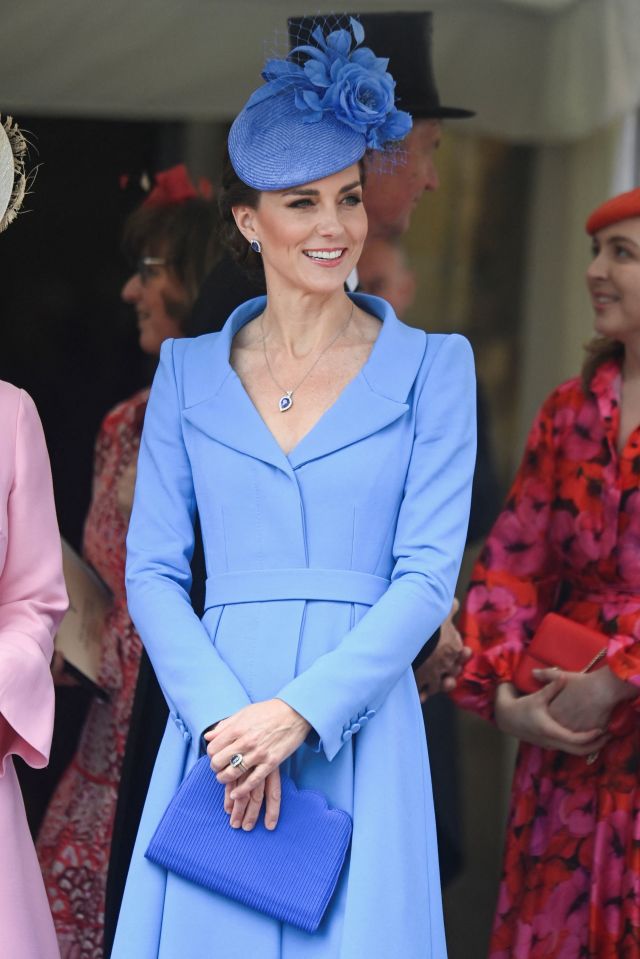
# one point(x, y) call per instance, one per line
point(535, 70)
point(569, 181)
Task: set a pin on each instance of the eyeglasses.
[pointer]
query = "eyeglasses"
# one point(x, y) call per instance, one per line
point(145, 267)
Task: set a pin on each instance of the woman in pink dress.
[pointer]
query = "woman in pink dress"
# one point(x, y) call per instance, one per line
point(32, 602)
point(170, 241)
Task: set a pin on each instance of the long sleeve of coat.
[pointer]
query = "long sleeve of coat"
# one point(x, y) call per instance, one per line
point(33, 598)
point(355, 678)
point(199, 686)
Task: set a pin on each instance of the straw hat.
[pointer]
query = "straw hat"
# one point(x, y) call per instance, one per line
point(321, 107)
point(13, 178)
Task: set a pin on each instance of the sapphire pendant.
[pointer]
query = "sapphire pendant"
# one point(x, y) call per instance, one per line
point(286, 402)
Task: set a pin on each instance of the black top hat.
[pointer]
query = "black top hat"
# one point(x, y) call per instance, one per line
point(405, 38)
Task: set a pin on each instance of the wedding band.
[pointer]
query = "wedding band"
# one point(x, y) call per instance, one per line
point(237, 762)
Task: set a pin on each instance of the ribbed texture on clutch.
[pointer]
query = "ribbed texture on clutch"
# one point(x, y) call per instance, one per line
point(289, 873)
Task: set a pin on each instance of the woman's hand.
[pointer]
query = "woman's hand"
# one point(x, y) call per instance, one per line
point(264, 734)
point(439, 672)
point(529, 718)
point(244, 813)
point(587, 700)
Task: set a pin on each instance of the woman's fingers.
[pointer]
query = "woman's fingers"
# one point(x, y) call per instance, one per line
point(255, 777)
point(256, 766)
point(529, 718)
point(575, 749)
point(548, 675)
point(221, 755)
point(272, 795)
point(583, 738)
point(576, 742)
point(235, 808)
point(244, 810)
point(238, 811)
point(262, 758)
point(225, 771)
point(219, 741)
point(253, 806)
point(553, 686)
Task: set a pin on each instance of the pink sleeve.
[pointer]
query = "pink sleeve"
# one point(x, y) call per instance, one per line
point(33, 598)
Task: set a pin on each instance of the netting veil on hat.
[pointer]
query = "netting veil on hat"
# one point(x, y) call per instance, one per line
point(13, 177)
point(320, 109)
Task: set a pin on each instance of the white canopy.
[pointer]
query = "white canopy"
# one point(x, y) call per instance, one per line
point(535, 70)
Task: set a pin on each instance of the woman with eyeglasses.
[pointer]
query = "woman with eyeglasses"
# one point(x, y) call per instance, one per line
point(170, 240)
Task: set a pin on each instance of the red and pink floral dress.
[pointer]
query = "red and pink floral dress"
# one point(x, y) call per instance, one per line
point(75, 838)
point(568, 539)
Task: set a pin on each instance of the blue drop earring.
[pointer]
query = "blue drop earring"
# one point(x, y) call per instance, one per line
point(256, 246)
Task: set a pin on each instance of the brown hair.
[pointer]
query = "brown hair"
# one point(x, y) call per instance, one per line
point(599, 349)
point(184, 233)
point(234, 192)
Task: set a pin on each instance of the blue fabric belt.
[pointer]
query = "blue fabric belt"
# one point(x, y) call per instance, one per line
point(264, 585)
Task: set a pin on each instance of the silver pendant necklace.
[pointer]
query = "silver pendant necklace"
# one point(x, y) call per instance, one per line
point(286, 400)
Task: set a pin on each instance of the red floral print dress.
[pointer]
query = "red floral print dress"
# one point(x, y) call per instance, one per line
point(568, 539)
point(75, 838)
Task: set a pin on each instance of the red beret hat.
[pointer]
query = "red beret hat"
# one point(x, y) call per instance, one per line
point(620, 207)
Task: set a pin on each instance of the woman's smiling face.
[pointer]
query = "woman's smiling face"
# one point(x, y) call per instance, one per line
point(311, 235)
point(613, 279)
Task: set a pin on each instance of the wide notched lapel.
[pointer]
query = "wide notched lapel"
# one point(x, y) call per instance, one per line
point(357, 413)
point(377, 396)
point(230, 418)
point(216, 403)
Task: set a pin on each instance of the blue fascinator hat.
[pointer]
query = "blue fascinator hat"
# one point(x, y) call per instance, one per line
point(318, 112)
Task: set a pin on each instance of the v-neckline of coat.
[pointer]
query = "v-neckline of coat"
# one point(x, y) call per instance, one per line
point(312, 429)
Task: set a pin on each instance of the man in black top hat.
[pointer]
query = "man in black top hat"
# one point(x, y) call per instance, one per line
point(391, 195)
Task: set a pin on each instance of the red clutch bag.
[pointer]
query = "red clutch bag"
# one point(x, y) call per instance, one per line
point(560, 642)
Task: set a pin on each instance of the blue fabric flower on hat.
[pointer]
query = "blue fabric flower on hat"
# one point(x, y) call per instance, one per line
point(344, 78)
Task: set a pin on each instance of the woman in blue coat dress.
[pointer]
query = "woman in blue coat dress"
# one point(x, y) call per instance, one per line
point(328, 451)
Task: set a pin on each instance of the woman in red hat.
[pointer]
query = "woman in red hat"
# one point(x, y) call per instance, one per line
point(568, 541)
point(170, 240)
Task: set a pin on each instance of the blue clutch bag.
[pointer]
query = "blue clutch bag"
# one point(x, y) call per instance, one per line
point(289, 873)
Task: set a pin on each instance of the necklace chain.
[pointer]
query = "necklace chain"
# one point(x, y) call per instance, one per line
point(286, 400)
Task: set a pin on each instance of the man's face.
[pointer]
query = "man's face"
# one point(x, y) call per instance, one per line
point(390, 198)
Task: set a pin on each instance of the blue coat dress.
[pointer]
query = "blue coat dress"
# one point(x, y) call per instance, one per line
point(327, 570)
